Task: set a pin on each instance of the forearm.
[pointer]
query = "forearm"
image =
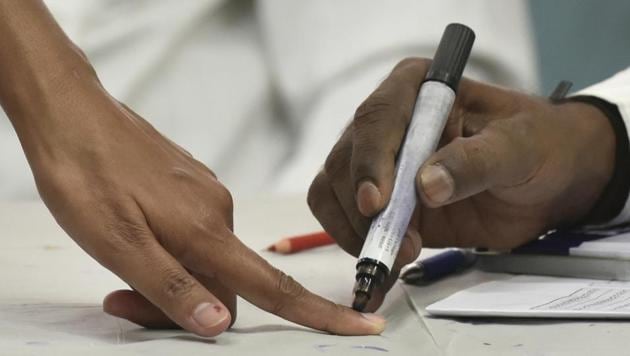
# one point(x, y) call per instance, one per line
point(38, 65)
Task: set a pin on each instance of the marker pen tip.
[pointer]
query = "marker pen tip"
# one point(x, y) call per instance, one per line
point(360, 302)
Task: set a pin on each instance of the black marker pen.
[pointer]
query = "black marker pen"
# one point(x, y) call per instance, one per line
point(431, 111)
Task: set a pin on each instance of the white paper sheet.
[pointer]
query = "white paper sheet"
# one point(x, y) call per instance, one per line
point(539, 297)
point(617, 246)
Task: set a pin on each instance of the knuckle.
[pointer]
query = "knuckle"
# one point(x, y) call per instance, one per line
point(338, 161)
point(82, 54)
point(523, 128)
point(409, 72)
point(208, 226)
point(414, 246)
point(289, 287)
point(375, 109)
point(313, 198)
point(379, 125)
point(212, 217)
point(329, 324)
point(209, 171)
point(413, 63)
point(225, 198)
point(377, 102)
point(473, 156)
point(177, 284)
point(181, 174)
point(127, 230)
point(289, 291)
point(374, 162)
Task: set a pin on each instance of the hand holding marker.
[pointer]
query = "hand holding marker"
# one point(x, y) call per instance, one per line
point(432, 108)
point(452, 260)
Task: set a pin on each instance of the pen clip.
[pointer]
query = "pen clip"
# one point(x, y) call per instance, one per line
point(561, 90)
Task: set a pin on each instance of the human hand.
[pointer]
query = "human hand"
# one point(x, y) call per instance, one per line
point(156, 217)
point(509, 167)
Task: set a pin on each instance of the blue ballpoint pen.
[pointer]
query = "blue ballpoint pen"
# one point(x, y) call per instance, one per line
point(437, 266)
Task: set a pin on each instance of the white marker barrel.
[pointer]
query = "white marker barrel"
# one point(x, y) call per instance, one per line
point(431, 112)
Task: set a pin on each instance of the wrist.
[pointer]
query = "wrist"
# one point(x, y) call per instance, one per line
point(44, 77)
point(613, 198)
point(40, 91)
point(47, 106)
point(594, 146)
point(41, 69)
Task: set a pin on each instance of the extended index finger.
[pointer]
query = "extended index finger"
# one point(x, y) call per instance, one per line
point(265, 286)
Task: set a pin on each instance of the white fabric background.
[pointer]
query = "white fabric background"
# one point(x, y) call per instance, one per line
point(260, 90)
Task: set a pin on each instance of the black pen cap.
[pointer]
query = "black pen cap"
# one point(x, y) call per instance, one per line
point(451, 55)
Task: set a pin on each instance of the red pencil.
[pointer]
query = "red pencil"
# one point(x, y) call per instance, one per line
point(302, 242)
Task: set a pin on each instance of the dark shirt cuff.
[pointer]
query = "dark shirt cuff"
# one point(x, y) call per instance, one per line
point(615, 194)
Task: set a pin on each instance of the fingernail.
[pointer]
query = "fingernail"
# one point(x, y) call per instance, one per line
point(208, 315)
point(437, 183)
point(377, 322)
point(368, 198)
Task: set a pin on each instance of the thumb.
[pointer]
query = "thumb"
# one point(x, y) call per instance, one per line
point(470, 165)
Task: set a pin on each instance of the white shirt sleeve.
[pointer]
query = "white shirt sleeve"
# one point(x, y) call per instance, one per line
point(328, 56)
point(615, 90)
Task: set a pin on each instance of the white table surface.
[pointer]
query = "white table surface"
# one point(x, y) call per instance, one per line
point(51, 292)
